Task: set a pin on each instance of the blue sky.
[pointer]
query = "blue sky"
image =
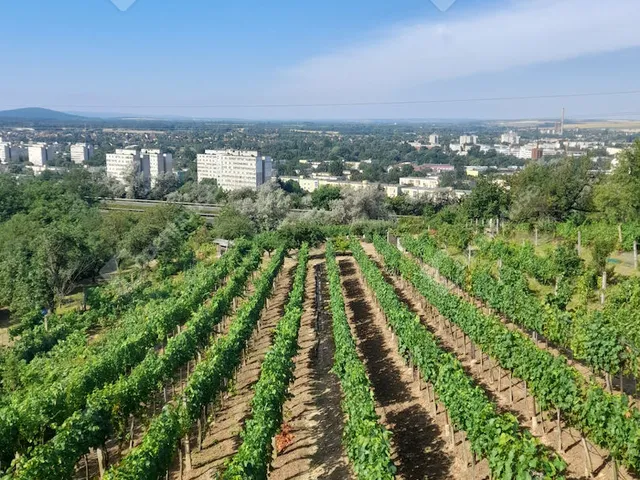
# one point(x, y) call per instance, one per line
point(190, 57)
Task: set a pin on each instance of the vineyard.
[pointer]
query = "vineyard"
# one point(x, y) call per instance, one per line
point(349, 359)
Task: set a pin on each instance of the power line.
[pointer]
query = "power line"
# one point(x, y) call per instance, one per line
point(360, 104)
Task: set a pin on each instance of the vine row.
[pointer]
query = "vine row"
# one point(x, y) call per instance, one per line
point(254, 455)
point(606, 419)
point(154, 455)
point(510, 451)
point(367, 442)
point(111, 406)
point(33, 416)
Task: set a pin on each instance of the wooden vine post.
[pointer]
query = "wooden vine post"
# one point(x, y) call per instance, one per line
point(579, 242)
point(560, 449)
point(620, 233)
point(102, 460)
point(588, 465)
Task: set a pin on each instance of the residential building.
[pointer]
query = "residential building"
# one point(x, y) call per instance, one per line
point(149, 163)
point(5, 152)
point(159, 163)
point(12, 153)
point(474, 171)
point(424, 182)
point(234, 169)
point(312, 184)
point(433, 194)
point(38, 154)
point(436, 167)
point(510, 138)
point(81, 152)
point(537, 153)
point(125, 162)
point(468, 139)
point(434, 139)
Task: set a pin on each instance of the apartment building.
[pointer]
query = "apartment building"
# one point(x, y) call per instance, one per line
point(468, 139)
point(434, 139)
point(5, 152)
point(81, 152)
point(423, 182)
point(312, 184)
point(40, 154)
point(234, 169)
point(511, 138)
point(159, 163)
point(124, 162)
point(149, 163)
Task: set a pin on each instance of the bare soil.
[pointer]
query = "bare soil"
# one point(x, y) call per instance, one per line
point(419, 445)
point(313, 415)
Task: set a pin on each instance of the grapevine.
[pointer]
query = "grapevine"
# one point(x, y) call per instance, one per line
point(511, 452)
point(367, 442)
point(154, 455)
point(254, 455)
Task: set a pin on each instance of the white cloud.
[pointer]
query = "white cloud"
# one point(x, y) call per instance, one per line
point(526, 33)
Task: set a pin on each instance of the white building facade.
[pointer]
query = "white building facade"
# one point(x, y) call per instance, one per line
point(38, 154)
point(468, 139)
point(81, 152)
point(12, 153)
point(234, 169)
point(148, 163)
point(511, 138)
point(159, 164)
point(423, 182)
point(123, 163)
point(5, 152)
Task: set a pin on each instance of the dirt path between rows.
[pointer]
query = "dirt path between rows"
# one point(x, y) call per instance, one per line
point(313, 416)
point(223, 437)
point(418, 444)
point(507, 393)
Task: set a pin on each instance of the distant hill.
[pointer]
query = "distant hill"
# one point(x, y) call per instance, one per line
point(37, 114)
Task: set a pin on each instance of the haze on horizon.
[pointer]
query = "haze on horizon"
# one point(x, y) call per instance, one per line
point(193, 58)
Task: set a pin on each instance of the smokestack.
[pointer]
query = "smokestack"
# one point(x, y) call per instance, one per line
point(562, 123)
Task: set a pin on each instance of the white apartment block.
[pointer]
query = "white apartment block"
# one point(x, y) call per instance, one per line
point(149, 163)
point(12, 153)
point(234, 169)
point(511, 138)
point(434, 139)
point(423, 182)
point(38, 154)
point(159, 163)
point(123, 163)
point(312, 184)
point(5, 152)
point(468, 139)
point(81, 152)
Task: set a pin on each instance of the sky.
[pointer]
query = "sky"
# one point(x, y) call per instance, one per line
point(250, 59)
